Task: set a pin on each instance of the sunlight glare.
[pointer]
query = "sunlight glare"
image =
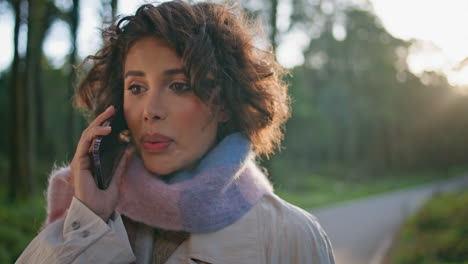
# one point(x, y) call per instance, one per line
point(441, 22)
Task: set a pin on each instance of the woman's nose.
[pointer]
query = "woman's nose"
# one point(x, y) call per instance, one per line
point(154, 108)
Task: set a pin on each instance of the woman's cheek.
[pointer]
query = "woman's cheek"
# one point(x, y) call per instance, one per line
point(193, 112)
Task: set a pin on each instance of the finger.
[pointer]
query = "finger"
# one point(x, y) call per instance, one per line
point(103, 116)
point(85, 143)
point(93, 130)
point(100, 131)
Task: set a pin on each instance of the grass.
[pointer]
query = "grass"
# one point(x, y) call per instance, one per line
point(311, 191)
point(437, 234)
point(20, 224)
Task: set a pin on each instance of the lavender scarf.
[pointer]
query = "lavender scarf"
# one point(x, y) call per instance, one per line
point(224, 186)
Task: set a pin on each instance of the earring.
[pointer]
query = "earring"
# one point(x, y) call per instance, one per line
point(124, 136)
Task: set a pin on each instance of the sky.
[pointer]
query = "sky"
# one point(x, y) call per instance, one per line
point(440, 25)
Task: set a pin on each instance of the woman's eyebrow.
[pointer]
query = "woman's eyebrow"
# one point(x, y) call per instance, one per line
point(166, 72)
point(134, 73)
point(174, 71)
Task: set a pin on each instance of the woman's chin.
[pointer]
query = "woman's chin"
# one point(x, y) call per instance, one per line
point(159, 170)
point(163, 167)
point(152, 164)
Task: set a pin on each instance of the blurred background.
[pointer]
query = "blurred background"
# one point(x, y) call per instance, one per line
point(380, 93)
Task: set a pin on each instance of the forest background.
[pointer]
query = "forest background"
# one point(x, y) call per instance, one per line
point(362, 121)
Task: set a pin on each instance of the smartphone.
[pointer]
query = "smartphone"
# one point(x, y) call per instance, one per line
point(108, 150)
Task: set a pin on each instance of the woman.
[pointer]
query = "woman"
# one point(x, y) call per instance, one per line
point(201, 102)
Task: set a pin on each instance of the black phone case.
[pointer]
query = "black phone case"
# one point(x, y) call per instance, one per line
point(108, 150)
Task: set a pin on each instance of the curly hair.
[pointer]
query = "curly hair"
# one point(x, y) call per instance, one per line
point(217, 46)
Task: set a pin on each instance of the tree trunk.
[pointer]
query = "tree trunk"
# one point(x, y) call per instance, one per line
point(36, 24)
point(17, 140)
point(114, 8)
point(45, 144)
point(273, 20)
point(73, 119)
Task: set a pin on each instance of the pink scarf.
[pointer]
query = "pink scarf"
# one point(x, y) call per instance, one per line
point(224, 186)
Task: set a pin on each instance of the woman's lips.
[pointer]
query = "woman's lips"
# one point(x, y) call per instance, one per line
point(155, 142)
point(156, 146)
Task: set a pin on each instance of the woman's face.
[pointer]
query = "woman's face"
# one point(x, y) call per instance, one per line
point(171, 127)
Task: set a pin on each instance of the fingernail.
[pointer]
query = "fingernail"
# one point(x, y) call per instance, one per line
point(111, 106)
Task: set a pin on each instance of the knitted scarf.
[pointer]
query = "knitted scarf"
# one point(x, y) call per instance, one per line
point(220, 190)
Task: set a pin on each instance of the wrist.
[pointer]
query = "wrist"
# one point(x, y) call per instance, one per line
point(104, 216)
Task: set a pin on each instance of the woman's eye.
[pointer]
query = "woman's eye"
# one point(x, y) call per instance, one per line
point(136, 89)
point(180, 87)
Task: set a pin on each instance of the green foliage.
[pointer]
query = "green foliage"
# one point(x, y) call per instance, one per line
point(358, 108)
point(437, 234)
point(21, 222)
point(334, 183)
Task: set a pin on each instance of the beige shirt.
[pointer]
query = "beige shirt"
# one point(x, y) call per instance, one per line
point(273, 232)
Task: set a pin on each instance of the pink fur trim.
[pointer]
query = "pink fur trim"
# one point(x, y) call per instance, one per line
point(59, 193)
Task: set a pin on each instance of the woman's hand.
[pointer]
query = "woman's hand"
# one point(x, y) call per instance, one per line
point(101, 202)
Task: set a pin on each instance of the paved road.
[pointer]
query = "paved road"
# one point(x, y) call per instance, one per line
point(361, 230)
